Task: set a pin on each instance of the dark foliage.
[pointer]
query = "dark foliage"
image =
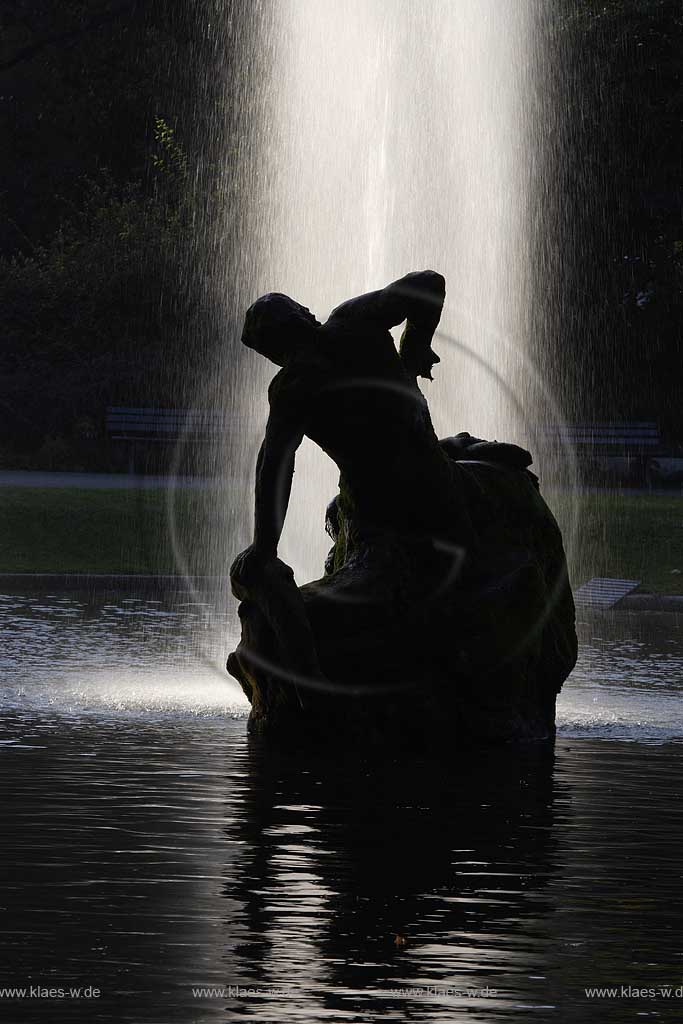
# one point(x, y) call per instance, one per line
point(94, 219)
point(624, 195)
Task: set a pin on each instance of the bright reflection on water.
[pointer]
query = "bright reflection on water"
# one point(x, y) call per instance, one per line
point(628, 681)
point(108, 653)
point(149, 848)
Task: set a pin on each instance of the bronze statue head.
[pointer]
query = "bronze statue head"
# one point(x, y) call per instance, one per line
point(276, 327)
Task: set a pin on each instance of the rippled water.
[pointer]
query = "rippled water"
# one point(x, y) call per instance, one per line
point(628, 682)
point(150, 849)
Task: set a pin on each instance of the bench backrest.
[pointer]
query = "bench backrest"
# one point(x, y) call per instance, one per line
point(125, 423)
point(607, 436)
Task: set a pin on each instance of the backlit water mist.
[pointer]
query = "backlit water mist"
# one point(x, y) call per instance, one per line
point(385, 137)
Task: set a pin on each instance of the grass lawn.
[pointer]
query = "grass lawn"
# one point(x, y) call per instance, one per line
point(635, 536)
point(627, 536)
point(73, 530)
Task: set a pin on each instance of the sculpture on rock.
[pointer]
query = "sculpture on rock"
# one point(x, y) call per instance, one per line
point(445, 607)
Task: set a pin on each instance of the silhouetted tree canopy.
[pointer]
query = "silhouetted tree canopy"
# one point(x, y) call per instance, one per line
point(95, 212)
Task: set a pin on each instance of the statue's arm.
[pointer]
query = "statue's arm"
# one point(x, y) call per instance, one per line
point(257, 575)
point(417, 299)
point(274, 473)
point(288, 400)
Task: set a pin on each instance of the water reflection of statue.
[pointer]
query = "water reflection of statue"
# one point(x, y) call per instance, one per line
point(409, 559)
point(336, 862)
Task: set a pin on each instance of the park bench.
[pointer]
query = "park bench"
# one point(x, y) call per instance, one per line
point(620, 450)
point(138, 427)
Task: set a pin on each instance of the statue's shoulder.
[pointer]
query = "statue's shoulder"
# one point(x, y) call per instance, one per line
point(291, 390)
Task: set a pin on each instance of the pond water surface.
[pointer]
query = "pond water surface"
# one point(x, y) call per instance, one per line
point(154, 856)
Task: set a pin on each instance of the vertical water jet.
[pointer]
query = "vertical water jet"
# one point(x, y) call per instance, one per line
point(384, 137)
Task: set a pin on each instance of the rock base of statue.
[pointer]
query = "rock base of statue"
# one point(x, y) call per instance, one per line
point(419, 642)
